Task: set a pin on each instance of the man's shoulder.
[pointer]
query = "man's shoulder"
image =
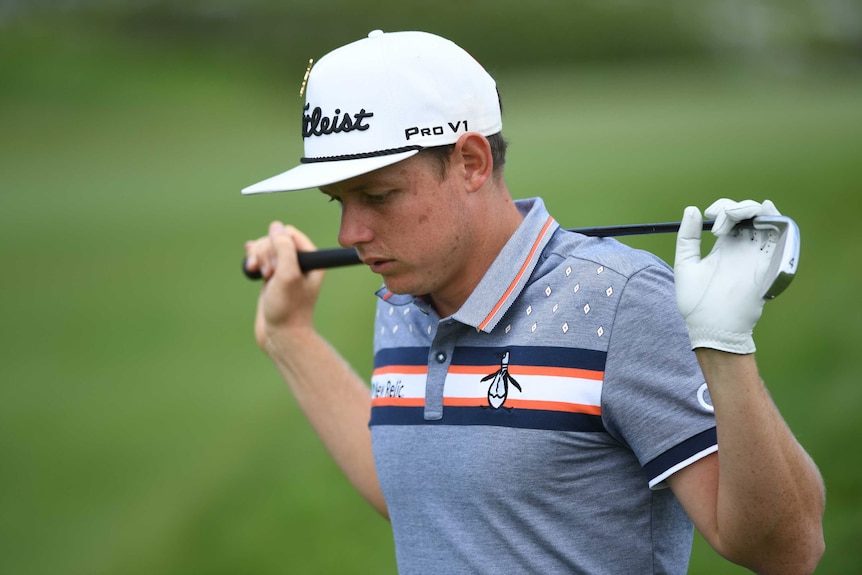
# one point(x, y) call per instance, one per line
point(609, 255)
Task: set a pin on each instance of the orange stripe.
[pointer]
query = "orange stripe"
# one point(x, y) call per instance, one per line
point(405, 369)
point(529, 370)
point(480, 401)
point(514, 283)
point(398, 401)
point(465, 401)
point(526, 404)
point(474, 369)
point(554, 406)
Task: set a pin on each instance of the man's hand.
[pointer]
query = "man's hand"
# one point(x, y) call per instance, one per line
point(288, 296)
point(721, 295)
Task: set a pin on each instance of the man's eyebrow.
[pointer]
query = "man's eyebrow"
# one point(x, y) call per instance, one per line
point(358, 188)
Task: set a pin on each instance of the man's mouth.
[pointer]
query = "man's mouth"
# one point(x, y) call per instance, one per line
point(377, 264)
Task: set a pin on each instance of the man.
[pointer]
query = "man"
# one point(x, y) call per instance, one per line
point(535, 406)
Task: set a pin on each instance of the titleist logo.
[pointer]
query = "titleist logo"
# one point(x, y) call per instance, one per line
point(316, 124)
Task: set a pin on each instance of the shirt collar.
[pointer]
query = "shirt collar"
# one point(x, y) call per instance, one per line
point(506, 277)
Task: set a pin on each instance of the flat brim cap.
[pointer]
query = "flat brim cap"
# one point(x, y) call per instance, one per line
point(380, 100)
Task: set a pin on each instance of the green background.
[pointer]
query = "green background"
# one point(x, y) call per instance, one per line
point(142, 431)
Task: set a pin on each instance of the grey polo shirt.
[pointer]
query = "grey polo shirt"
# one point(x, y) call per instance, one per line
point(532, 430)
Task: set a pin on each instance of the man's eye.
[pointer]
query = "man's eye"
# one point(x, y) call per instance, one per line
point(334, 199)
point(377, 198)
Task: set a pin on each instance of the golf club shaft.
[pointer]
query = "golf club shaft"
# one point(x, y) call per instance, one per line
point(337, 257)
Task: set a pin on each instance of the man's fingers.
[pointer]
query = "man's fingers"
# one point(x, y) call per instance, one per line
point(283, 250)
point(769, 209)
point(688, 237)
point(250, 257)
point(303, 242)
point(276, 230)
point(257, 256)
point(286, 241)
point(727, 213)
point(261, 254)
point(276, 250)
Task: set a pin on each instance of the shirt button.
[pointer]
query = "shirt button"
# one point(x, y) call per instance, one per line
point(441, 357)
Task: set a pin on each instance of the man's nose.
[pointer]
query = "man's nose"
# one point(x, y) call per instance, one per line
point(354, 229)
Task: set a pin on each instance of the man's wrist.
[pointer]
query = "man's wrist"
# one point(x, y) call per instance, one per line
point(286, 340)
point(721, 340)
point(720, 365)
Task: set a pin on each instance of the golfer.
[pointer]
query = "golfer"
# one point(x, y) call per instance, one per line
point(541, 401)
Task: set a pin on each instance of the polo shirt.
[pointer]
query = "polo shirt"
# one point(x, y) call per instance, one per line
point(532, 430)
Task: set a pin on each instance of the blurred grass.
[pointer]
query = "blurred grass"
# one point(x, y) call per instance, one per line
point(141, 431)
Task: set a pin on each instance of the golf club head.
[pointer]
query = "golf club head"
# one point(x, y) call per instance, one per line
point(784, 232)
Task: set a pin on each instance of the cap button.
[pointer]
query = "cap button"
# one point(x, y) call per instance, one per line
point(375, 33)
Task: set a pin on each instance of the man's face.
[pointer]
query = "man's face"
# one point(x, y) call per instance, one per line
point(410, 226)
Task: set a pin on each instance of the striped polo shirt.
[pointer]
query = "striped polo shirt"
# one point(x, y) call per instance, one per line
point(532, 430)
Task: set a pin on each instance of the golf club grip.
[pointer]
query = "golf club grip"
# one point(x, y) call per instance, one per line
point(320, 259)
point(337, 257)
point(332, 258)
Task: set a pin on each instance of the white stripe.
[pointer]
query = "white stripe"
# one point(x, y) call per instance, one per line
point(658, 481)
point(572, 390)
point(533, 388)
point(406, 385)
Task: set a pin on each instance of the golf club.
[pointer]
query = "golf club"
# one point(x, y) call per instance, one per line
point(782, 230)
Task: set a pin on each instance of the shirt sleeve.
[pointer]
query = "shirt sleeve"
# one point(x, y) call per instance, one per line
point(655, 399)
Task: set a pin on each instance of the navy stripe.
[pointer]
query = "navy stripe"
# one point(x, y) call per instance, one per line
point(540, 356)
point(401, 356)
point(680, 452)
point(518, 418)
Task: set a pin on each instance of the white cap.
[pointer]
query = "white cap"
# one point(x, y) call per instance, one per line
point(380, 100)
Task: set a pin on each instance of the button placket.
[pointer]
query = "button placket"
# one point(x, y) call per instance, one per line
point(439, 358)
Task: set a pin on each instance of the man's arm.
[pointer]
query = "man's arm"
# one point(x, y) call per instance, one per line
point(759, 500)
point(333, 398)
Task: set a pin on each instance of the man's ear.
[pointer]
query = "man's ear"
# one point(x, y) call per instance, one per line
point(473, 151)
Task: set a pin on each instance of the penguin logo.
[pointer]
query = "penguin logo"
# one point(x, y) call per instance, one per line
point(498, 391)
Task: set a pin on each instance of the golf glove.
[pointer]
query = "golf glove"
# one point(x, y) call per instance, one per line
point(721, 295)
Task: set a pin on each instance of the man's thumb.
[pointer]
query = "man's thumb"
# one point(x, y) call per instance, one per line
point(688, 237)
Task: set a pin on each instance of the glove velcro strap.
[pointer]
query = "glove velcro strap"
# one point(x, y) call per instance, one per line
point(732, 342)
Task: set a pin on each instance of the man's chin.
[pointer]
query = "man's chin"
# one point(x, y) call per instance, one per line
point(394, 286)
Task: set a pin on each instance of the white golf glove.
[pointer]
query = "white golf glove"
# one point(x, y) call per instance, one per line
point(721, 295)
